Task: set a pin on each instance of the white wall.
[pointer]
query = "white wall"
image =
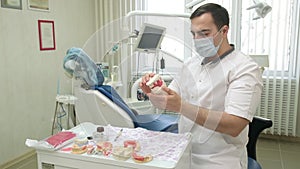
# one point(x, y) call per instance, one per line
point(28, 76)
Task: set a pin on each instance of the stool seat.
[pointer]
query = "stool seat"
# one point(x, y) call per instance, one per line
point(66, 99)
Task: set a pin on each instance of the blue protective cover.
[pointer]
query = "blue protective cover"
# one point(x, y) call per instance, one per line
point(85, 67)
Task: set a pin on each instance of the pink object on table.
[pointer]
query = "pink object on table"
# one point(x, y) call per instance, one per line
point(60, 138)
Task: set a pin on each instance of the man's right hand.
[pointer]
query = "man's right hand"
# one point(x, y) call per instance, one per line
point(146, 89)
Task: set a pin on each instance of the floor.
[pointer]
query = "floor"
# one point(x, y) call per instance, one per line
point(277, 153)
point(272, 153)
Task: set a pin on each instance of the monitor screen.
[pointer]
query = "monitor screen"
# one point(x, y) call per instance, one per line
point(150, 37)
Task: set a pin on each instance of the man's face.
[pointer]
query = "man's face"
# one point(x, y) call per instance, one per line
point(204, 26)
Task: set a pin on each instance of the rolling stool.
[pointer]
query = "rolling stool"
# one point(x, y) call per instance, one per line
point(69, 101)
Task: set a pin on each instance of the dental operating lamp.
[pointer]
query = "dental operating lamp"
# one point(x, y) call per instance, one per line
point(261, 8)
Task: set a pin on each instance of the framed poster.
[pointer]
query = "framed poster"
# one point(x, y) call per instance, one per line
point(46, 35)
point(41, 5)
point(15, 4)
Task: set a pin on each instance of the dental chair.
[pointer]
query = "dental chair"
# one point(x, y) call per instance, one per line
point(101, 104)
point(257, 125)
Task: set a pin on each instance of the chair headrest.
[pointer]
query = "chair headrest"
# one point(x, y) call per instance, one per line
point(79, 65)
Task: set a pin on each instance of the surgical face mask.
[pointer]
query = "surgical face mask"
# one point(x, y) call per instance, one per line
point(205, 46)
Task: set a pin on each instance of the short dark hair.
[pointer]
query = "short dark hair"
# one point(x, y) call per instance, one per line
point(219, 14)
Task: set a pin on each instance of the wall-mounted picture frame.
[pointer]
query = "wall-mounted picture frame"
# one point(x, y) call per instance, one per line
point(40, 5)
point(14, 4)
point(46, 35)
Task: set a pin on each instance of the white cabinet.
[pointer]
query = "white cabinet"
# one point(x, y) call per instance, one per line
point(179, 156)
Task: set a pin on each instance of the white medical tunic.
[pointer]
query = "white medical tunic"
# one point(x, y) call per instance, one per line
point(232, 84)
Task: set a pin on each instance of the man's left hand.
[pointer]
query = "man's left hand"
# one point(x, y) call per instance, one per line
point(170, 102)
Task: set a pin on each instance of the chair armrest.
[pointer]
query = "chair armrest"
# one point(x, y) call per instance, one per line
point(257, 125)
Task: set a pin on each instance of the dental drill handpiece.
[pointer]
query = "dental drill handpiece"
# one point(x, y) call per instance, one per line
point(155, 83)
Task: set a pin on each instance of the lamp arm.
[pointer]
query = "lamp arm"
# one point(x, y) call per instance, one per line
point(193, 3)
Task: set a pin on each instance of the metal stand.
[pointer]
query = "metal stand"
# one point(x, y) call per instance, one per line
point(69, 101)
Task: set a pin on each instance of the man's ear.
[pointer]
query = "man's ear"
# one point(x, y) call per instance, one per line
point(225, 29)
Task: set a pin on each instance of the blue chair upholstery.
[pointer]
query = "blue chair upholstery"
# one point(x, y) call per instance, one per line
point(253, 164)
point(154, 122)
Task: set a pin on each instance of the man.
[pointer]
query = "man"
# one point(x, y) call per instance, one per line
point(216, 92)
